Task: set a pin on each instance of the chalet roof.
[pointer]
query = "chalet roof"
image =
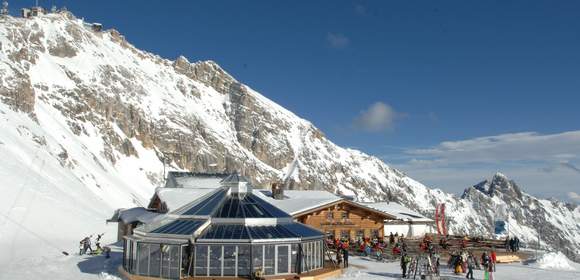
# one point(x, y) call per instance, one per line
point(399, 211)
point(131, 215)
point(175, 198)
point(299, 201)
point(194, 180)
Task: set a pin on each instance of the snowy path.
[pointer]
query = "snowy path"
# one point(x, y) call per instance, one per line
point(60, 267)
point(364, 268)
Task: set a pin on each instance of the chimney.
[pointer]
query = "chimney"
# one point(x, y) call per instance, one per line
point(277, 191)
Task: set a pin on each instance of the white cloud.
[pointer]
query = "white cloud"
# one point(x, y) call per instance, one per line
point(337, 40)
point(525, 146)
point(574, 196)
point(378, 117)
point(542, 164)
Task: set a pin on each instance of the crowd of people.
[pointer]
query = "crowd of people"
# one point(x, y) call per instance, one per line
point(512, 244)
point(461, 261)
point(85, 246)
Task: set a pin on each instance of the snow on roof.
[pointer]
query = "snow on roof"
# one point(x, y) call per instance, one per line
point(398, 210)
point(297, 201)
point(193, 180)
point(131, 215)
point(175, 198)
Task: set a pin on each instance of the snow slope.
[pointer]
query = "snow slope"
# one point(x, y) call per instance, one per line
point(87, 118)
point(367, 269)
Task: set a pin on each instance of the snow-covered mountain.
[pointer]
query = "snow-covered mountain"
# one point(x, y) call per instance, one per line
point(86, 120)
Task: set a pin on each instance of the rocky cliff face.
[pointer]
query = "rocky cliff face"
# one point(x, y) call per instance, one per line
point(108, 114)
point(557, 224)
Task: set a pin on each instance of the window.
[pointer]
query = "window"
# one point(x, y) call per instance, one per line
point(142, 258)
point(283, 259)
point(201, 260)
point(360, 234)
point(154, 260)
point(230, 259)
point(344, 234)
point(330, 215)
point(243, 260)
point(269, 258)
point(375, 233)
point(170, 261)
point(345, 215)
point(215, 260)
point(258, 257)
point(126, 254)
point(294, 258)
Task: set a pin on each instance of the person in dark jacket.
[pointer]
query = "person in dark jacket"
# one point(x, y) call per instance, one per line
point(470, 266)
point(345, 257)
point(405, 260)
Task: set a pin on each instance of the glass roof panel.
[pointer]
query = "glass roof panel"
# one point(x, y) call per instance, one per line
point(250, 206)
point(301, 230)
point(234, 232)
point(181, 227)
point(226, 232)
point(271, 209)
point(206, 206)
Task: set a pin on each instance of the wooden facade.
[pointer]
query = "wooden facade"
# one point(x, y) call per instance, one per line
point(346, 219)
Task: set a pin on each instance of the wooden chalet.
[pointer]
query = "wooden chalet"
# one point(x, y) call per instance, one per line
point(345, 219)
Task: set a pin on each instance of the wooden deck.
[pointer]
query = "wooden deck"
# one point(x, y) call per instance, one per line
point(324, 273)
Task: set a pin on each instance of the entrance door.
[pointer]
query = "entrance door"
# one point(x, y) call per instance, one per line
point(282, 259)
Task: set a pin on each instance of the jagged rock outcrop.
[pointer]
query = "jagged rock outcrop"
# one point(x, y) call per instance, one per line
point(113, 117)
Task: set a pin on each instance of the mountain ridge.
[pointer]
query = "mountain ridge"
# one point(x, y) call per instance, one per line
point(107, 116)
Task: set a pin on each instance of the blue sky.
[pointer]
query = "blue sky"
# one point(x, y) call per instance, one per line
point(448, 91)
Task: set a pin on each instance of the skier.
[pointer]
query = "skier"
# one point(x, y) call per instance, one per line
point(405, 260)
point(391, 239)
point(488, 274)
point(493, 260)
point(345, 257)
point(87, 244)
point(486, 262)
point(517, 244)
point(470, 266)
point(82, 247)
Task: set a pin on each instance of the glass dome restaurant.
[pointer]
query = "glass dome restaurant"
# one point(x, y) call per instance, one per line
point(229, 232)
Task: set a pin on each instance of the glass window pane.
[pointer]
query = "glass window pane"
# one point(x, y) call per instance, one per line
point(269, 258)
point(126, 245)
point(243, 260)
point(215, 260)
point(258, 257)
point(303, 257)
point(143, 258)
point(229, 260)
point(294, 258)
point(283, 258)
point(201, 260)
point(165, 260)
point(154, 260)
point(170, 261)
point(174, 267)
point(133, 257)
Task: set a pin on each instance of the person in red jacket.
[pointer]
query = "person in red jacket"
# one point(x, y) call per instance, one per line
point(493, 259)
